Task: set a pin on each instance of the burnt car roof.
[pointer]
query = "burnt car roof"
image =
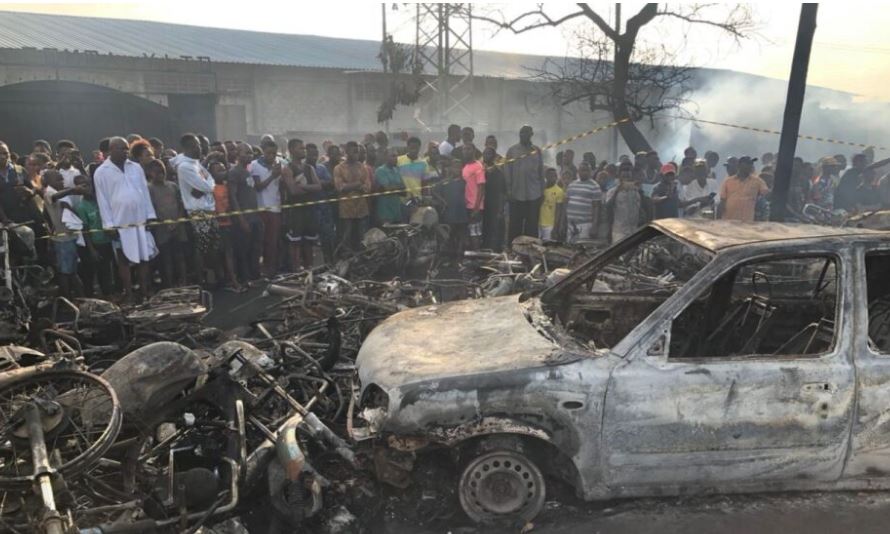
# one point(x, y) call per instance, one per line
point(718, 235)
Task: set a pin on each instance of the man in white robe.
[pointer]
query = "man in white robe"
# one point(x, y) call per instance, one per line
point(125, 205)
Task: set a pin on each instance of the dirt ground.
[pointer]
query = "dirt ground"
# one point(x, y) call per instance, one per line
point(811, 513)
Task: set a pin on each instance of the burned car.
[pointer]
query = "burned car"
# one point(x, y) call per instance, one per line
point(692, 357)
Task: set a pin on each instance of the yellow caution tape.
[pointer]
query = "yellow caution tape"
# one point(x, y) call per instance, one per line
point(777, 132)
point(207, 215)
point(570, 139)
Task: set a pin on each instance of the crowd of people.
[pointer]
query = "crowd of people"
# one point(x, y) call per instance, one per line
point(172, 216)
point(607, 202)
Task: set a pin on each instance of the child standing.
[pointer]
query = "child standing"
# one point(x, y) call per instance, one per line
point(473, 174)
point(221, 197)
point(170, 238)
point(554, 196)
point(64, 242)
point(96, 255)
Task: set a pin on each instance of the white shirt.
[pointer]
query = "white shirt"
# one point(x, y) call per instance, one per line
point(68, 176)
point(194, 177)
point(445, 148)
point(695, 190)
point(123, 199)
point(270, 197)
point(122, 196)
point(55, 212)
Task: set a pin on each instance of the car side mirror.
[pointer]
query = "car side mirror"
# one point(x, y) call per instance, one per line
point(658, 347)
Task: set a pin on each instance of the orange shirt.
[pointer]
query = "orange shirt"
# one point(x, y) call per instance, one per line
point(740, 196)
point(221, 197)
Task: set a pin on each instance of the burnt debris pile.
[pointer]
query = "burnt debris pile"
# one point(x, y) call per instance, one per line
point(145, 419)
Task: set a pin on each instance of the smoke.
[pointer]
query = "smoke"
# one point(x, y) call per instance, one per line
point(671, 149)
point(758, 102)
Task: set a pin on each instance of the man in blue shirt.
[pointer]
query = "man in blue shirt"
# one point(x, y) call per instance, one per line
point(388, 179)
point(327, 228)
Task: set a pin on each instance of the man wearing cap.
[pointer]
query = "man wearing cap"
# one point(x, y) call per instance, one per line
point(822, 191)
point(845, 196)
point(524, 175)
point(739, 192)
point(732, 166)
point(700, 192)
point(665, 196)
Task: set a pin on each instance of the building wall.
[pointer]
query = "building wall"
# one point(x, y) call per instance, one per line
point(314, 103)
point(243, 101)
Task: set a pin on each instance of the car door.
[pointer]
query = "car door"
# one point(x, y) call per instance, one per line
point(745, 405)
point(870, 437)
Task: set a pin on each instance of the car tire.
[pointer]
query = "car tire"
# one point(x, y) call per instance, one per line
point(502, 486)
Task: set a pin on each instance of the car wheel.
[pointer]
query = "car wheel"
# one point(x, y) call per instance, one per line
point(501, 486)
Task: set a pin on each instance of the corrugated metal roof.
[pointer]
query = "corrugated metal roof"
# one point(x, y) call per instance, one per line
point(137, 38)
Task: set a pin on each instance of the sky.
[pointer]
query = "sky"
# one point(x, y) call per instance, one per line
point(851, 50)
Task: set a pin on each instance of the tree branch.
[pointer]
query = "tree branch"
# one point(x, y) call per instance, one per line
point(725, 27)
point(614, 70)
point(737, 23)
point(604, 27)
point(515, 25)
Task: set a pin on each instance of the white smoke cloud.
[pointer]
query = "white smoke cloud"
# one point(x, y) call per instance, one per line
point(760, 102)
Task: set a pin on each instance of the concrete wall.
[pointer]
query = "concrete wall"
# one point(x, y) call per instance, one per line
point(316, 104)
point(312, 103)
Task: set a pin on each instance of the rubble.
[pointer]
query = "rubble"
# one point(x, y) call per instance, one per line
point(145, 419)
point(196, 429)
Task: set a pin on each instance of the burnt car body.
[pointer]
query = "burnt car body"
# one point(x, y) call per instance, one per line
point(692, 357)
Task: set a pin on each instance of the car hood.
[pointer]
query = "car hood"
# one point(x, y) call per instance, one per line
point(455, 339)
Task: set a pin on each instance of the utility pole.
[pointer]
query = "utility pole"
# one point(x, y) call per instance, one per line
point(797, 84)
point(614, 158)
point(383, 12)
point(386, 65)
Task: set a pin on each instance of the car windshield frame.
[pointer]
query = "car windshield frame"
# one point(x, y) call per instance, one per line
point(591, 268)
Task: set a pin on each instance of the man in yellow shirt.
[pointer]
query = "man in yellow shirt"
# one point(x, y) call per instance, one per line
point(414, 170)
point(553, 196)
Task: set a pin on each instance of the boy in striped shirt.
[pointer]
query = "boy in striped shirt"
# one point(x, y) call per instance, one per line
point(583, 200)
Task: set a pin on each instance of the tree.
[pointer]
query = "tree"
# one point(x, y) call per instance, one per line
point(614, 74)
point(403, 78)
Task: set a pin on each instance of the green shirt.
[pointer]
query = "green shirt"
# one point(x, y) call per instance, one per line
point(389, 207)
point(88, 211)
